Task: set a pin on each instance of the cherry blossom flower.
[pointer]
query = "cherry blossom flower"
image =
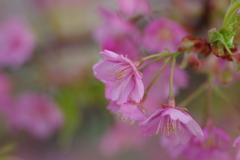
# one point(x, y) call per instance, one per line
point(176, 125)
point(215, 142)
point(124, 76)
point(214, 145)
point(163, 33)
point(134, 7)
point(35, 113)
point(16, 43)
point(118, 35)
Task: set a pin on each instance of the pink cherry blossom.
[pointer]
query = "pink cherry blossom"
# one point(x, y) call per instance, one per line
point(214, 145)
point(124, 76)
point(16, 43)
point(120, 137)
point(118, 35)
point(215, 141)
point(134, 7)
point(176, 125)
point(35, 113)
point(163, 33)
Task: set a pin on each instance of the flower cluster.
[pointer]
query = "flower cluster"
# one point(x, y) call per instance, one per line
point(29, 111)
point(139, 78)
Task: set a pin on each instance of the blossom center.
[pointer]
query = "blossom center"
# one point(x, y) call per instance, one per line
point(168, 127)
point(165, 33)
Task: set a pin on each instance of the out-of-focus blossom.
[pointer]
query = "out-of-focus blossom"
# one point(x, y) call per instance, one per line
point(124, 76)
point(163, 33)
point(120, 137)
point(160, 89)
point(214, 145)
point(215, 141)
point(35, 113)
point(118, 35)
point(176, 125)
point(16, 43)
point(134, 7)
point(236, 141)
point(223, 71)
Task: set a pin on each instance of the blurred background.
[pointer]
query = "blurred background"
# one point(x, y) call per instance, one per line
point(52, 107)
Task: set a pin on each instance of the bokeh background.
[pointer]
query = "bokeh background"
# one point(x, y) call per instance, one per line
point(52, 107)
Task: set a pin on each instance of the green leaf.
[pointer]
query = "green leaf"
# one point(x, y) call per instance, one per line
point(67, 99)
point(222, 38)
point(232, 9)
point(233, 22)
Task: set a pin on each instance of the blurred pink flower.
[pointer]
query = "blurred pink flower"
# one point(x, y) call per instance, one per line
point(160, 89)
point(120, 137)
point(163, 33)
point(215, 141)
point(214, 145)
point(176, 125)
point(124, 76)
point(236, 141)
point(16, 43)
point(118, 35)
point(35, 113)
point(223, 72)
point(134, 7)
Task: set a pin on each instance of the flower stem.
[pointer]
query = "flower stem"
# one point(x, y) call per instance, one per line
point(155, 78)
point(156, 55)
point(209, 101)
point(155, 60)
point(225, 98)
point(171, 98)
point(232, 9)
point(193, 95)
point(171, 77)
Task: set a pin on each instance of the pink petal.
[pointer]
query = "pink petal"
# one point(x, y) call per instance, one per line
point(194, 128)
point(109, 55)
point(236, 141)
point(113, 107)
point(177, 115)
point(150, 125)
point(138, 91)
point(105, 70)
point(120, 92)
point(132, 111)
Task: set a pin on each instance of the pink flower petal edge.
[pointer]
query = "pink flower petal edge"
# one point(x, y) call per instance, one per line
point(124, 76)
point(176, 125)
